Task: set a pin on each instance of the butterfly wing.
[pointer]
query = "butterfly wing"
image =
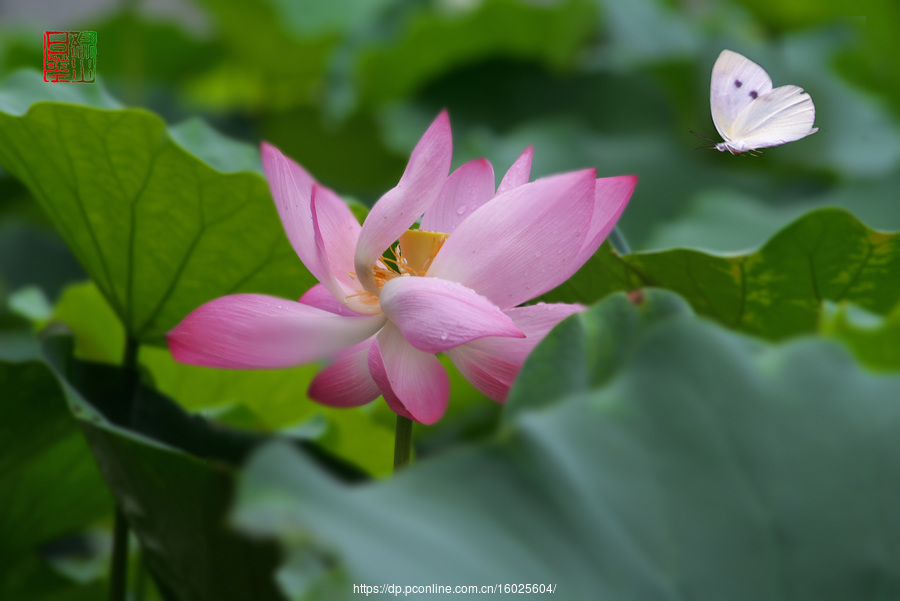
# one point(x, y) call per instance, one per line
point(736, 82)
point(782, 115)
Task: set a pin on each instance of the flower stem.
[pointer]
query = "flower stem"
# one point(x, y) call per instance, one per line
point(118, 577)
point(618, 241)
point(140, 586)
point(118, 568)
point(402, 441)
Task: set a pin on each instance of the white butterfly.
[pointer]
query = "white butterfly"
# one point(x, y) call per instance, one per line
point(749, 113)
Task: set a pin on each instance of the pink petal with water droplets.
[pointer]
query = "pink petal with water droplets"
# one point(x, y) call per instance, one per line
point(465, 190)
point(407, 377)
point(402, 206)
point(523, 242)
point(611, 196)
point(435, 315)
point(258, 331)
point(346, 382)
point(518, 173)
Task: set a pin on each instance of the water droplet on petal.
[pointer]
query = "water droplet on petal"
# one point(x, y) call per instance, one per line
point(461, 209)
point(280, 307)
point(444, 335)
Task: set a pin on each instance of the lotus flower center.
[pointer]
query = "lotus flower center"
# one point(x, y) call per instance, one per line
point(414, 253)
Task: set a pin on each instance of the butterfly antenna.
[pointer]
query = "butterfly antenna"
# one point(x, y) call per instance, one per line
point(701, 136)
point(704, 146)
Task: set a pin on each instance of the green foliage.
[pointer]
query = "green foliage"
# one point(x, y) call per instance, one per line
point(49, 484)
point(159, 230)
point(872, 339)
point(31, 255)
point(350, 156)
point(589, 348)
point(271, 67)
point(171, 474)
point(724, 221)
point(29, 577)
point(774, 292)
point(435, 41)
point(699, 449)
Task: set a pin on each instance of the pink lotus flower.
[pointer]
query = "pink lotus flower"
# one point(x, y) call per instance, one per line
point(454, 288)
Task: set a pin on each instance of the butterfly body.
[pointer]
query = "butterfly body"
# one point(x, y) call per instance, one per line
point(749, 113)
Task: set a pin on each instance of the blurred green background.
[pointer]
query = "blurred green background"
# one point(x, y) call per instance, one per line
point(347, 87)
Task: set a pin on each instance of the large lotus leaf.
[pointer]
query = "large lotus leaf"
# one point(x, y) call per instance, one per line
point(171, 473)
point(175, 504)
point(774, 292)
point(707, 468)
point(158, 229)
point(50, 486)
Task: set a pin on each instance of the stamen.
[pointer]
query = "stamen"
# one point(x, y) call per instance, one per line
point(364, 298)
point(418, 249)
point(413, 256)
